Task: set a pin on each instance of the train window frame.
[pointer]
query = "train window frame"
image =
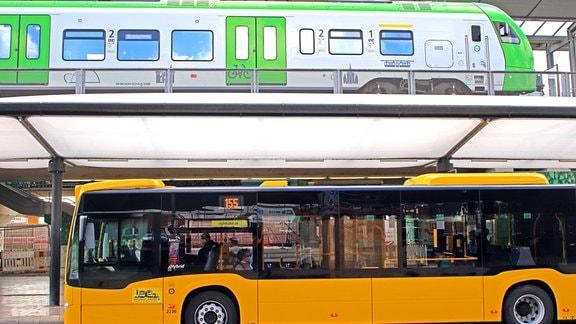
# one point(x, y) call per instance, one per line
point(33, 32)
point(6, 48)
point(345, 42)
point(392, 44)
point(306, 43)
point(176, 43)
point(140, 48)
point(506, 33)
point(76, 39)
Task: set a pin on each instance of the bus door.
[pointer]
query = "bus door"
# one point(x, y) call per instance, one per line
point(121, 281)
point(25, 44)
point(476, 48)
point(255, 43)
point(434, 272)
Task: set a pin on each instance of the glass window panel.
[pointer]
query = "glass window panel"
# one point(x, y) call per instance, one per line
point(307, 41)
point(270, 43)
point(396, 35)
point(192, 45)
point(441, 228)
point(33, 42)
point(345, 42)
point(345, 46)
point(84, 45)
point(138, 45)
point(5, 41)
point(507, 34)
point(346, 34)
point(476, 33)
point(242, 42)
point(396, 42)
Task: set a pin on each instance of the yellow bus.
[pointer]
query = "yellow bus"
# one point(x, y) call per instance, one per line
point(442, 248)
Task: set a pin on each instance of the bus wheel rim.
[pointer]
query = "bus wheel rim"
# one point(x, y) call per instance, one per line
point(210, 312)
point(529, 309)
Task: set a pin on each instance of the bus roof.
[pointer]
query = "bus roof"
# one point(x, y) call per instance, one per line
point(453, 179)
point(117, 184)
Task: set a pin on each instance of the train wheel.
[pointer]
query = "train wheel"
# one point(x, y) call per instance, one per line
point(445, 88)
point(381, 87)
point(211, 307)
point(528, 304)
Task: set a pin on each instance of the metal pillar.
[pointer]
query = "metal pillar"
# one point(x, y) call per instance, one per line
point(572, 53)
point(57, 168)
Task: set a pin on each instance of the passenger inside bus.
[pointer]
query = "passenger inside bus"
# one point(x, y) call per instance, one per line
point(206, 248)
point(243, 262)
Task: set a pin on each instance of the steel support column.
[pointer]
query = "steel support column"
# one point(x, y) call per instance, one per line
point(57, 168)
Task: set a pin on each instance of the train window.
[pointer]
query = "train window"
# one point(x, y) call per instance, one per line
point(242, 42)
point(476, 33)
point(5, 41)
point(192, 45)
point(138, 45)
point(507, 34)
point(396, 42)
point(84, 45)
point(306, 41)
point(33, 42)
point(345, 42)
point(270, 43)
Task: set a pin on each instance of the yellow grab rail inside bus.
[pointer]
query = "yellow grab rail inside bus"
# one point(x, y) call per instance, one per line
point(454, 179)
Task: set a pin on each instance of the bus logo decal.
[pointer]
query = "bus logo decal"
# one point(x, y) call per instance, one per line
point(146, 295)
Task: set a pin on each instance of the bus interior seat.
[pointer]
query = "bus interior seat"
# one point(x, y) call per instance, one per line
point(521, 256)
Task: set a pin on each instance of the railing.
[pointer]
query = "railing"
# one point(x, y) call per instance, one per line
point(314, 80)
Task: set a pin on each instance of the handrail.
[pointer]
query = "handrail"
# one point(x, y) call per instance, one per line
point(336, 81)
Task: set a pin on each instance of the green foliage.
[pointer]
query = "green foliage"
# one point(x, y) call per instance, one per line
point(560, 177)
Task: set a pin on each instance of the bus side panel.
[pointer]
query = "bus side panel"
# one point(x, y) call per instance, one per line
point(315, 301)
point(427, 300)
point(178, 288)
point(140, 302)
point(562, 285)
point(74, 304)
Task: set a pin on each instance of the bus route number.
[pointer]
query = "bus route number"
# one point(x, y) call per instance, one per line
point(231, 202)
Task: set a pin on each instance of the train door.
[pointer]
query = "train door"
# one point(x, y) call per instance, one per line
point(476, 48)
point(255, 42)
point(25, 44)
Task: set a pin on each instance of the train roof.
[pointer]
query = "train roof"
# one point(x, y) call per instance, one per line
point(396, 6)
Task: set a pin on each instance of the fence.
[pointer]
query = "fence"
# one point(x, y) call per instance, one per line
point(70, 81)
point(24, 248)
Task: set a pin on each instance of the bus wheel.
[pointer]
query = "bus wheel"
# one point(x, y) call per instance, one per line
point(211, 307)
point(528, 304)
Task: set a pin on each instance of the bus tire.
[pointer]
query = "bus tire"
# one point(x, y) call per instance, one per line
point(211, 307)
point(528, 304)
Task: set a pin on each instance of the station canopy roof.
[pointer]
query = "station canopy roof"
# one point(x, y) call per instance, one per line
point(267, 135)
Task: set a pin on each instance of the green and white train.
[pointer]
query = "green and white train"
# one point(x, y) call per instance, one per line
point(372, 47)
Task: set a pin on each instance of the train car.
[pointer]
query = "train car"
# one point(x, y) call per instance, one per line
point(370, 47)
